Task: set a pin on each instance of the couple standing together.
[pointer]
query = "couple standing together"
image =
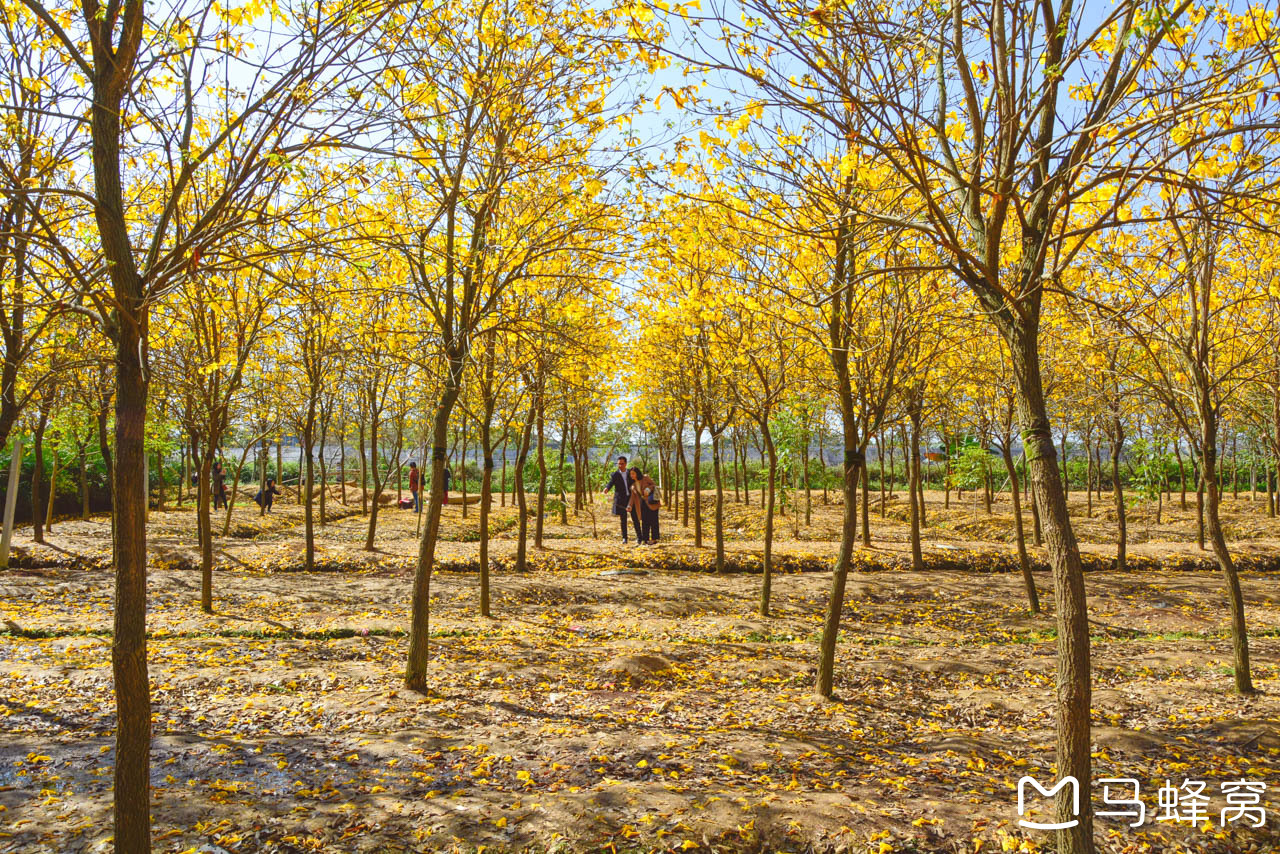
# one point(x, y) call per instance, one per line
point(634, 492)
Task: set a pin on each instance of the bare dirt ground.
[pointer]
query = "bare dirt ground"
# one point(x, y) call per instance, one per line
point(620, 701)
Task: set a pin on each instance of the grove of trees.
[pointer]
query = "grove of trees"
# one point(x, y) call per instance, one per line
point(814, 243)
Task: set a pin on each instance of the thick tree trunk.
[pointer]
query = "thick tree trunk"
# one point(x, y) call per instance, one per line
point(1072, 708)
point(129, 638)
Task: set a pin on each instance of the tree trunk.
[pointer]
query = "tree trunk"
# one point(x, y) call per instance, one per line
point(1117, 443)
point(1235, 598)
point(716, 464)
point(342, 463)
point(1182, 476)
point(914, 498)
point(542, 475)
point(324, 474)
point(853, 461)
point(1072, 708)
point(697, 485)
point(84, 484)
point(415, 675)
point(866, 507)
point(204, 529)
point(1024, 562)
point(766, 587)
point(234, 492)
point(521, 499)
point(374, 504)
point(308, 517)
point(1088, 477)
point(1198, 474)
point(37, 478)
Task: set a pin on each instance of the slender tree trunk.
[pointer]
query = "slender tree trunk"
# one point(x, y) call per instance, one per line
point(53, 491)
point(766, 587)
point(1198, 474)
point(308, 517)
point(697, 485)
point(866, 507)
point(521, 498)
point(342, 463)
point(37, 479)
point(1024, 562)
point(1117, 443)
point(564, 502)
point(542, 476)
point(716, 464)
point(1235, 597)
point(1088, 477)
point(1066, 475)
point(204, 527)
point(853, 461)
point(884, 494)
point(378, 480)
point(415, 677)
point(324, 474)
point(1182, 476)
point(84, 484)
point(364, 474)
point(914, 497)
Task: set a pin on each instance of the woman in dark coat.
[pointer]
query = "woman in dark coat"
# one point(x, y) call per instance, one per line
point(645, 495)
point(634, 476)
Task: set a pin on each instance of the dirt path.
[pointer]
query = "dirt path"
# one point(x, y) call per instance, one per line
point(611, 708)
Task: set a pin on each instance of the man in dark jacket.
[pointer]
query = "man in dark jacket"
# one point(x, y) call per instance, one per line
point(621, 494)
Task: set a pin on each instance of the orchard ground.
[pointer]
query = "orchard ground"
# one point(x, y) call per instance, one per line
point(625, 699)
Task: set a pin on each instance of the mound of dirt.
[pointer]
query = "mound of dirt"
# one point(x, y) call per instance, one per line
point(636, 667)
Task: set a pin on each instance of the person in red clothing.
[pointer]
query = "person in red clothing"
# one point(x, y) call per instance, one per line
point(415, 485)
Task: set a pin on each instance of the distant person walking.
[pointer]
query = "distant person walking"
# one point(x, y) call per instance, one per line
point(621, 486)
point(266, 496)
point(415, 485)
point(218, 483)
